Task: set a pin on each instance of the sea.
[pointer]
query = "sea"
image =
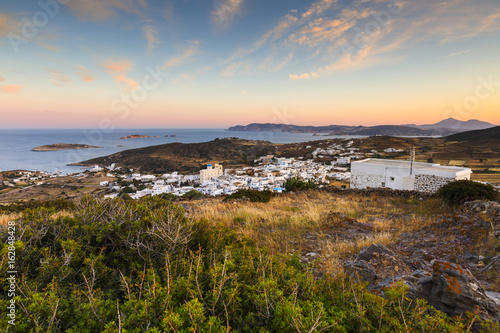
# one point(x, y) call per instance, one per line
point(16, 144)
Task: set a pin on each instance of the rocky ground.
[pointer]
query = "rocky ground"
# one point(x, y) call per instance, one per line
point(436, 262)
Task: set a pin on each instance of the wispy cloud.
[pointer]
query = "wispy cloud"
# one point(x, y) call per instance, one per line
point(96, 10)
point(118, 70)
point(235, 67)
point(2, 78)
point(151, 37)
point(224, 12)
point(58, 78)
point(84, 73)
point(366, 33)
point(49, 47)
point(8, 24)
point(454, 54)
point(185, 55)
point(11, 23)
point(276, 37)
point(11, 88)
point(299, 76)
point(275, 63)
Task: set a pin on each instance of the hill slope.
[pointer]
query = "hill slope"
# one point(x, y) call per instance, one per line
point(490, 134)
point(186, 156)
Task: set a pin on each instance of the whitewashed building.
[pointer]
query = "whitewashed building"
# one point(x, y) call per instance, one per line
point(404, 175)
point(210, 172)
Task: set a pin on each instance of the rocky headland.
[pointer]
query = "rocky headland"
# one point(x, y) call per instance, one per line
point(63, 146)
point(138, 136)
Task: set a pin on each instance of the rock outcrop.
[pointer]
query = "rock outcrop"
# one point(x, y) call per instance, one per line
point(488, 208)
point(375, 263)
point(446, 286)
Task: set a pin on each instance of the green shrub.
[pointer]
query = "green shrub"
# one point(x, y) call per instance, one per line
point(142, 266)
point(252, 195)
point(168, 196)
point(460, 191)
point(193, 194)
point(19, 206)
point(297, 184)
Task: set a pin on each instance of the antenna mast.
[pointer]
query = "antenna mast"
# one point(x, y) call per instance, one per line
point(412, 159)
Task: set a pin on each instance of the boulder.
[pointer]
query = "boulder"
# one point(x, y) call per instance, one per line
point(481, 206)
point(490, 208)
point(446, 286)
point(449, 288)
point(455, 291)
point(376, 262)
point(361, 270)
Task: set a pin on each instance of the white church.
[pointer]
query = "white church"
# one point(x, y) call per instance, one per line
point(210, 173)
point(404, 175)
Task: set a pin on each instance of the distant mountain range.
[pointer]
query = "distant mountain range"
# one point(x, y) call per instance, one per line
point(444, 127)
point(458, 125)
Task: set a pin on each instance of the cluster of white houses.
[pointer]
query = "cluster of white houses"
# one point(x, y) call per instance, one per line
point(30, 178)
point(271, 173)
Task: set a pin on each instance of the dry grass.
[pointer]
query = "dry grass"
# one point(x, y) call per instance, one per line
point(61, 213)
point(295, 222)
point(6, 218)
point(334, 252)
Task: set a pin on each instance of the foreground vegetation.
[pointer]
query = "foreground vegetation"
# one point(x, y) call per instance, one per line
point(127, 266)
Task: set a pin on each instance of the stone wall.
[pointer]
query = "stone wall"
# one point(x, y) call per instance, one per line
point(430, 184)
point(362, 180)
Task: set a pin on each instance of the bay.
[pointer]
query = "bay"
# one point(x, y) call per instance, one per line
point(16, 144)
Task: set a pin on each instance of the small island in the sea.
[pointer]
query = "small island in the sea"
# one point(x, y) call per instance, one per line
point(63, 146)
point(172, 136)
point(138, 136)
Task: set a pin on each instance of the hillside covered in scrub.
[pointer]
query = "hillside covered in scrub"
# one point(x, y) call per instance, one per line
point(478, 150)
point(293, 264)
point(187, 156)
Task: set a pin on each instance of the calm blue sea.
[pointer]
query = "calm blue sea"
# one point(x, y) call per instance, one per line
point(16, 144)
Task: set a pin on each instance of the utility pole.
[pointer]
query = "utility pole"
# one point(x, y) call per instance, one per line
point(412, 159)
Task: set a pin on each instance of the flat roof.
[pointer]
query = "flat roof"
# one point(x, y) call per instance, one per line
point(416, 165)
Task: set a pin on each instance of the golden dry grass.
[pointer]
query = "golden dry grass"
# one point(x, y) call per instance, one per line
point(61, 213)
point(294, 222)
point(6, 218)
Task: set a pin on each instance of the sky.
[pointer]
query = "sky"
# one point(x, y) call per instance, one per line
point(219, 63)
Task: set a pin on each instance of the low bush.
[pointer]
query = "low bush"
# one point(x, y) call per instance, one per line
point(252, 195)
point(142, 266)
point(297, 184)
point(460, 191)
point(193, 194)
point(168, 196)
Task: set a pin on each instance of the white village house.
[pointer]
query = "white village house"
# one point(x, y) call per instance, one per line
point(404, 175)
